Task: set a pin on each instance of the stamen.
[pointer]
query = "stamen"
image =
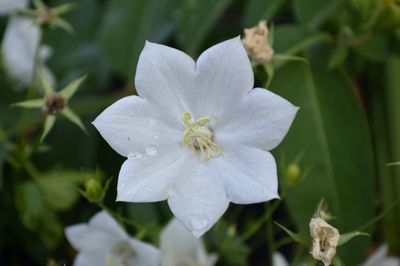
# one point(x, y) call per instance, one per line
point(199, 136)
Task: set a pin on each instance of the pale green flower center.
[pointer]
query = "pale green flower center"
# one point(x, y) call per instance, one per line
point(199, 136)
point(121, 254)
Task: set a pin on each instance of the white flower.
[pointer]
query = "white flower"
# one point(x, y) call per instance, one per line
point(197, 134)
point(325, 240)
point(180, 248)
point(9, 6)
point(18, 48)
point(279, 260)
point(381, 258)
point(103, 242)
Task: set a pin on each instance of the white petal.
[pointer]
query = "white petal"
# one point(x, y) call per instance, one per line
point(279, 260)
point(97, 258)
point(103, 221)
point(197, 198)
point(131, 125)
point(223, 77)
point(180, 247)
point(380, 258)
point(100, 234)
point(144, 254)
point(18, 48)
point(8, 6)
point(248, 174)
point(149, 176)
point(165, 77)
point(262, 120)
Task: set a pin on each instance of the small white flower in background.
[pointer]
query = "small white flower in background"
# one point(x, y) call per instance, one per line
point(381, 258)
point(279, 260)
point(325, 240)
point(198, 134)
point(102, 242)
point(9, 6)
point(256, 42)
point(18, 48)
point(180, 248)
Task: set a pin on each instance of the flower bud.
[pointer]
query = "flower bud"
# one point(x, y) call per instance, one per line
point(256, 42)
point(325, 240)
point(94, 191)
point(293, 174)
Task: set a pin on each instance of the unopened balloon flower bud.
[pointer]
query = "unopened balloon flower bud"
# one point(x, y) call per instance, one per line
point(325, 240)
point(94, 191)
point(293, 174)
point(256, 42)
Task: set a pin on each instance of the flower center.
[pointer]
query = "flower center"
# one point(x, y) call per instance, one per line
point(53, 104)
point(121, 254)
point(199, 136)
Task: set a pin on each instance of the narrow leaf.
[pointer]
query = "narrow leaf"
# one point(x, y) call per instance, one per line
point(63, 24)
point(39, 4)
point(337, 261)
point(36, 103)
point(72, 87)
point(62, 9)
point(45, 83)
point(344, 238)
point(74, 118)
point(299, 238)
point(48, 125)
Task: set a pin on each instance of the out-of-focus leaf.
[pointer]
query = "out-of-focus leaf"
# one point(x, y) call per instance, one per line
point(230, 248)
point(71, 88)
point(59, 188)
point(196, 19)
point(126, 26)
point(73, 117)
point(291, 39)
point(48, 125)
point(377, 48)
point(143, 213)
point(29, 204)
point(303, 239)
point(257, 10)
point(339, 154)
point(315, 12)
point(339, 55)
point(344, 238)
point(36, 103)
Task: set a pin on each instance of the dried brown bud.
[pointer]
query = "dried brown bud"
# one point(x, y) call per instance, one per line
point(325, 239)
point(53, 104)
point(257, 44)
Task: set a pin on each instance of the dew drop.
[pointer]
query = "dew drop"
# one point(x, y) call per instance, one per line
point(135, 155)
point(156, 137)
point(151, 121)
point(151, 151)
point(198, 222)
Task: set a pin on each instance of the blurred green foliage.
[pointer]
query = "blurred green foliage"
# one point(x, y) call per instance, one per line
point(347, 130)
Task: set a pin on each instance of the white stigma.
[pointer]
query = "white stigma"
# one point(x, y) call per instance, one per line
point(199, 136)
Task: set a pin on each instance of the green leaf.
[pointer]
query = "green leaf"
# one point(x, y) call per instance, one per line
point(339, 154)
point(344, 238)
point(315, 12)
point(62, 24)
point(45, 83)
point(339, 55)
point(58, 188)
point(72, 87)
point(337, 261)
point(36, 103)
point(195, 21)
point(62, 9)
point(303, 239)
point(29, 204)
point(127, 24)
point(74, 118)
point(257, 10)
point(48, 125)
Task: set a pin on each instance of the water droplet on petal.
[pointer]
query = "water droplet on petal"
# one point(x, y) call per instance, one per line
point(198, 222)
point(151, 121)
point(151, 151)
point(135, 155)
point(156, 137)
